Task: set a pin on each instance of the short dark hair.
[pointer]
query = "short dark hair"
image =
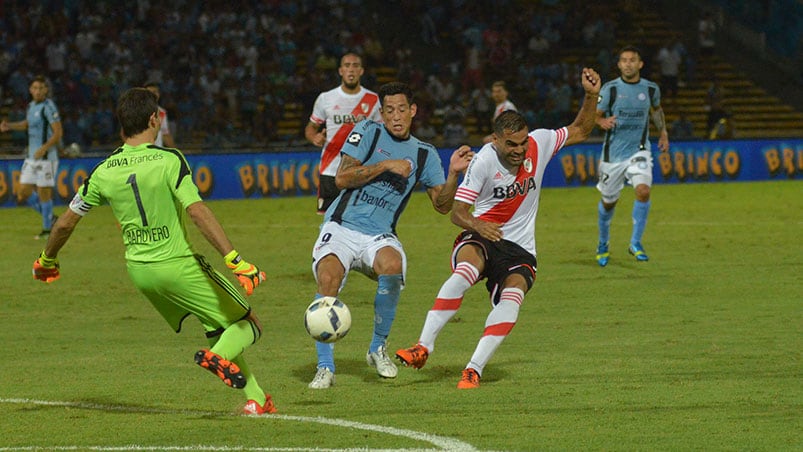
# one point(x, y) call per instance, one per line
point(393, 88)
point(630, 48)
point(509, 120)
point(134, 110)
point(39, 78)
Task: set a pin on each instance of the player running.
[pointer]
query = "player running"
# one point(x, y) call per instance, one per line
point(149, 189)
point(624, 110)
point(503, 184)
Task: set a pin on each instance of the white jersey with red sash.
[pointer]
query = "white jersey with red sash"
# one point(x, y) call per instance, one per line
point(508, 198)
point(340, 111)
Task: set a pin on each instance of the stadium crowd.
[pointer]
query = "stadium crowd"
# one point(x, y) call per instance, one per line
point(227, 69)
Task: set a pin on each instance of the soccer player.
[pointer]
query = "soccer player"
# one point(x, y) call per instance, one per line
point(380, 166)
point(625, 107)
point(503, 184)
point(150, 190)
point(499, 95)
point(333, 117)
point(164, 138)
point(43, 124)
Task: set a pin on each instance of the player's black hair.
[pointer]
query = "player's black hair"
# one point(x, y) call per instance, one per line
point(630, 48)
point(509, 120)
point(134, 110)
point(393, 88)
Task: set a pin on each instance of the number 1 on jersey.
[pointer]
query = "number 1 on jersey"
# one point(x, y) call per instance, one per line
point(132, 179)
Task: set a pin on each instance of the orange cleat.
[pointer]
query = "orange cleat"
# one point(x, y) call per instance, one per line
point(469, 380)
point(253, 407)
point(415, 356)
point(223, 368)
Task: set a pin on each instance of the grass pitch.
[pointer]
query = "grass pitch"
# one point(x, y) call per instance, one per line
point(697, 349)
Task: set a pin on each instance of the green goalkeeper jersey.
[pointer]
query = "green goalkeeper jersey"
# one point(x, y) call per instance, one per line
point(149, 189)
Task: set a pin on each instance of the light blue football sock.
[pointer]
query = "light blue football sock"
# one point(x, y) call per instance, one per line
point(326, 352)
point(604, 221)
point(640, 212)
point(385, 302)
point(47, 214)
point(33, 202)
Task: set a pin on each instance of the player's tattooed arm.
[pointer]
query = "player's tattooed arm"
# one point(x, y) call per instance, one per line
point(659, 120)
point(352, 173)
point(660, 124)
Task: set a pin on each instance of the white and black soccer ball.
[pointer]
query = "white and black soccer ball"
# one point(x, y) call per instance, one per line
point(327, 319)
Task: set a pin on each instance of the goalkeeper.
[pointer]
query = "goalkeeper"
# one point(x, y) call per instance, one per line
point(149, 189)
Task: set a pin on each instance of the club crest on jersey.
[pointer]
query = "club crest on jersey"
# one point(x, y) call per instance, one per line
point(354, 138)
point(365, 107)
point(412, 164)
point(528, 165)
point(642, 96)
point(518, 188)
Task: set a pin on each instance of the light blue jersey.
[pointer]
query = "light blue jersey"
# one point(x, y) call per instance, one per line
point(40, 116)
point(375, 208)
point(630, 103)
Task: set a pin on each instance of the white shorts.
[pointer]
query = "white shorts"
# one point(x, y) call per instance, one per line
point(612, 176)
point(355, 250)
point(41, 173)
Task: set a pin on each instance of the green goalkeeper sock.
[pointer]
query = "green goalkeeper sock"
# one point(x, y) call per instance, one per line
point(235, 339)
point(252, 390)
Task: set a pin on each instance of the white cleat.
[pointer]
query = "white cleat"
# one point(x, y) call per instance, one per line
point(324, 378)
point(382, 362)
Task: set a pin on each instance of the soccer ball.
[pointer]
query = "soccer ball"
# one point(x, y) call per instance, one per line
point(327, 319)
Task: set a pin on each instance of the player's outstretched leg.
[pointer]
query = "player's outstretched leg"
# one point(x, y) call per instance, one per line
point(385, 302)
point(447, 302)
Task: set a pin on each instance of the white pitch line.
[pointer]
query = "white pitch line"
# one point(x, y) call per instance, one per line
point(442, 442)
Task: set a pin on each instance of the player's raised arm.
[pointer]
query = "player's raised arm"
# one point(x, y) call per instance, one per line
point(583, 124)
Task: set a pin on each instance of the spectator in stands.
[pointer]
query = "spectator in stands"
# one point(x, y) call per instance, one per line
point(669, 59)
point(681, 128)
point(706, 35)
point(724, 128)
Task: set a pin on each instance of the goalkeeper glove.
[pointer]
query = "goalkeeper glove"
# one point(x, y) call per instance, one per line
point(46, 268)
point(248, 275)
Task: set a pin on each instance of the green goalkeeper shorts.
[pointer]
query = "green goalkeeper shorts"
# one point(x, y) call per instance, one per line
point(189, 285)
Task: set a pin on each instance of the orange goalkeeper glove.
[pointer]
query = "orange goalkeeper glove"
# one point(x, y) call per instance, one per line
point(247, 274)
point(46, 269)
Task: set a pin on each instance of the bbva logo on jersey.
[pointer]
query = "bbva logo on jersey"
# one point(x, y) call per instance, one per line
point(518, 188)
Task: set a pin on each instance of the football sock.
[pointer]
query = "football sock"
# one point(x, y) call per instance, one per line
point(640, 212)
point(500, 321)
point(33, 202)
point(252, 390)
point(326, 352)
point(235, 339)
point(448, 301)
point(604, 221)
point(326, 355)
point(385, 302)
point(46, 209)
